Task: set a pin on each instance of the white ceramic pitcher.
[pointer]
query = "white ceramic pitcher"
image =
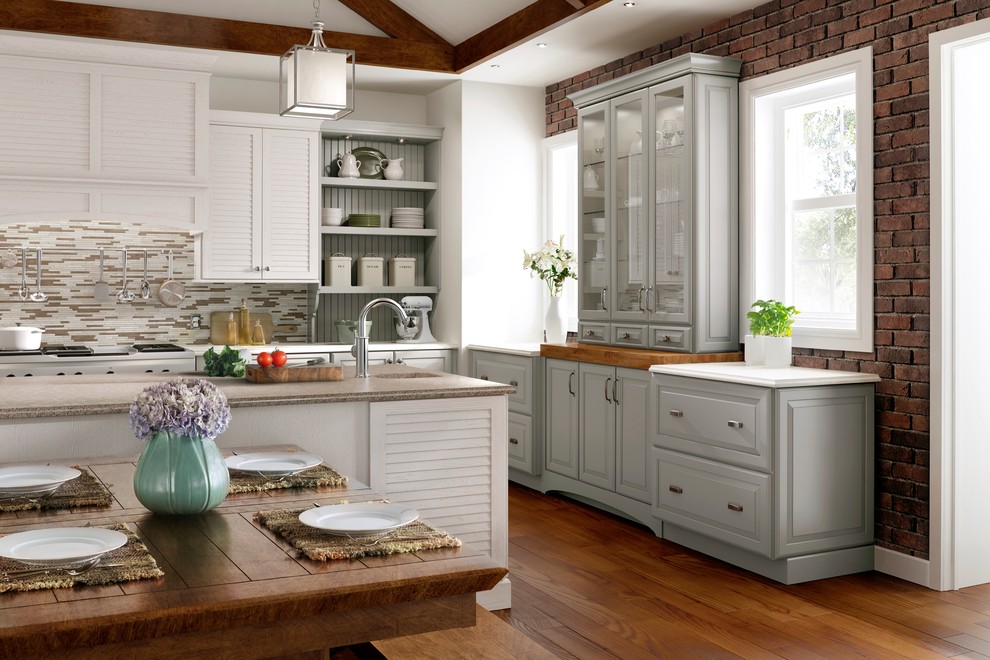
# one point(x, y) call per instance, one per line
point(393, 171)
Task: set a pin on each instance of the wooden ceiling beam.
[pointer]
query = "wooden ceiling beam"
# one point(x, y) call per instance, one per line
point(136, 25)
point(530, 21)
point(394, 21)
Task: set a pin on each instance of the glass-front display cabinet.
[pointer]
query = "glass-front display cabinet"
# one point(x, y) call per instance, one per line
point(659, 178)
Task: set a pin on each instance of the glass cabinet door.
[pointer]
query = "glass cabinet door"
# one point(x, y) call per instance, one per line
point(670, 297)
point(594, 248)
point(631, 146)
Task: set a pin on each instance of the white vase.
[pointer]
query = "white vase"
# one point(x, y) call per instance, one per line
point(777, 351)
point(553, 323)
point(755, 351)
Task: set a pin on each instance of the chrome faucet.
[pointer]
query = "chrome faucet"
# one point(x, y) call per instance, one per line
point(360, 350)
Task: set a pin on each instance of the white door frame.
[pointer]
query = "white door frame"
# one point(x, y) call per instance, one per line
point(954, 489)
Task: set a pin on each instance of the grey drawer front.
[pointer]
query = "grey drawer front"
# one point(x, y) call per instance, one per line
point(521, 442)
point(727, 503)
point(670, 339)
point(593, 333)
point(725, 422)
point(511, 370)
point(629, 335)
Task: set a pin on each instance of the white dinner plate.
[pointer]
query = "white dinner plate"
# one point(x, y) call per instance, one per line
point(20, 480)
point(365, 518)
point(273, 463)
point(60, 546)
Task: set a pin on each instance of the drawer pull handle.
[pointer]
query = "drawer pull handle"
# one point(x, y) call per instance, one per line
point(676, 413)
point(590, 333)
point(514, 383)
point(570, 384)
point(513, 441)
point(664, 339)
point(625, 335)
point(607, 381)
point(735, 507)
point(733, 424)
point(675, 489)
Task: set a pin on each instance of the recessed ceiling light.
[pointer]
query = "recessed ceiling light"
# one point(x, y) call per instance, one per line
point(542, 44)
point(628, 4)
point(496, 66)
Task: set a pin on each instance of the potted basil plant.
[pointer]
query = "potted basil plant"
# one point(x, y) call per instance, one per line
point(769, 343)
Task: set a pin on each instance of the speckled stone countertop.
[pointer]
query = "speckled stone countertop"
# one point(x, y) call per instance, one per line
point(60, 396)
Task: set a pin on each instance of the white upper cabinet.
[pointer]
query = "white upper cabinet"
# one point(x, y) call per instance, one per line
point(82, 138)
point(264, 201)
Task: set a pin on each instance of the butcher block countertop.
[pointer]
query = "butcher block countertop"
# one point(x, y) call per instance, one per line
point(59, 396)
point(633, 358)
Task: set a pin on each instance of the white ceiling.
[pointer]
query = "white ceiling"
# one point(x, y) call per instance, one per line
point(598, 37)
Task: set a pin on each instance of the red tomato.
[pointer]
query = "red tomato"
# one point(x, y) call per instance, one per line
point(265, 359)
point(279, 358)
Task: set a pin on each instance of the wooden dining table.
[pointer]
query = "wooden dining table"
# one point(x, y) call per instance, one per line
point(232, 588)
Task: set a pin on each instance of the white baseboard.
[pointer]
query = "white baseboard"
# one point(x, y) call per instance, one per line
point(901, 566)
point(498, 597)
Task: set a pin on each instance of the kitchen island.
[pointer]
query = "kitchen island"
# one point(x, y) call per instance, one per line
point(430, 440)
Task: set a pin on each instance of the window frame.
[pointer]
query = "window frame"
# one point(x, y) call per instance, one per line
point(762, 234)
point(569, 298)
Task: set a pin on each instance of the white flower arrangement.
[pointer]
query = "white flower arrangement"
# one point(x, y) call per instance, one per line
point(553, 264)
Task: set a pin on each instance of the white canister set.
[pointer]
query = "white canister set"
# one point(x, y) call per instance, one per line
point(370, 271)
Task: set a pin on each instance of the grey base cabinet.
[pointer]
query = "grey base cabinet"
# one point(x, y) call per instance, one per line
point(778, 480)
point(597, 440)
point(431, 360)
point(525, 374)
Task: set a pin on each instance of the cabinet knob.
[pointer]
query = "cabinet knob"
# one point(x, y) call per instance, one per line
point(665, 339)
point(590, 333)
point(675, 489)
point(735, 507)
point(268, 268)
point(733, 424)
point(514, 383)
point(483, 377)
point(257, 269)
point(625, 335)
point(676, 413)
point(388, 361)
point(513, 441)
point(399, 361)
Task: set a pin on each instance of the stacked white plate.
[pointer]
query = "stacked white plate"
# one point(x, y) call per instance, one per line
point(407, 217)
point(33, 480)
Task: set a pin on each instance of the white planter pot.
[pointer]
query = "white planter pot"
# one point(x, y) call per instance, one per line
point(755, 351)
point(777, 351)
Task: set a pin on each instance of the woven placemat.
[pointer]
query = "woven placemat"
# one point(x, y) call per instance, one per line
point(321, 475)
point(84, 490)
point(319, 545)
point(132, 561)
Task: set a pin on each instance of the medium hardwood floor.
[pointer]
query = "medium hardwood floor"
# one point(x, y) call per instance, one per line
point(586, 584)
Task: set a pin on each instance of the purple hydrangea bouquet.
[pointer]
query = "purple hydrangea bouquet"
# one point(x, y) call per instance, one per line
point(195, 408)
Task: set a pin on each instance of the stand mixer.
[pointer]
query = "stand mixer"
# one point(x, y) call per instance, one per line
point(418, 330)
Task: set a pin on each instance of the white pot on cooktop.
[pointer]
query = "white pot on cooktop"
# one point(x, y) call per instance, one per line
point(20, 338)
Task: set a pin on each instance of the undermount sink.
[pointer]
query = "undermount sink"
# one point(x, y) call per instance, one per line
point(407, 375)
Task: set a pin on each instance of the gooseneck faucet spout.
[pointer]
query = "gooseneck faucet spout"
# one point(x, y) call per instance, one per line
point(361, 333)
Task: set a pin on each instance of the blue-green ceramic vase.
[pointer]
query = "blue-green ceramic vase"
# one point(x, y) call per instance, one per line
point(179, 474)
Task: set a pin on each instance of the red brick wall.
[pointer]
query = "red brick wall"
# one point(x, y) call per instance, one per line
point(784, 33)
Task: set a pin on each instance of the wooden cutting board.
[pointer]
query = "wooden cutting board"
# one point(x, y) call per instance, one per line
point(293, 374)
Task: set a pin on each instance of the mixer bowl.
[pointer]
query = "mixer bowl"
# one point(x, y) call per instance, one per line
point(407, 330)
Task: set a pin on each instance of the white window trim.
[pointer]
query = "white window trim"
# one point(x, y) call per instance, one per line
point(757, 241)
point(570, 138)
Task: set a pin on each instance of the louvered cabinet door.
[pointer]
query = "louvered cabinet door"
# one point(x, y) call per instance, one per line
point(290, 200)
point(232, 246)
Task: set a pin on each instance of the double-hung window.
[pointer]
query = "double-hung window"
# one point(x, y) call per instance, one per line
point(807, 198)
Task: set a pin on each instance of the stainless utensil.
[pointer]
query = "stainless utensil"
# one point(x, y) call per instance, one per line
point(145, 285)
point(171, 292)
point(38, 296)
point(22, 292)
point(101, 290)
point(73, 570)
point(124, 295)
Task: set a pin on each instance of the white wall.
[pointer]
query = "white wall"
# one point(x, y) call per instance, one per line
point(262, 96)
point(502, 212)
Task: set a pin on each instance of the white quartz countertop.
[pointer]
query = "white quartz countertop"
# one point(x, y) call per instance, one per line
point(739, 372)
point(59, 396)
point(528, 349)
point(300, 347)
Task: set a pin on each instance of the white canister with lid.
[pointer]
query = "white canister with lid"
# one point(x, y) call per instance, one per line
point(402, 270)
point(371, 271)
point(338, 270)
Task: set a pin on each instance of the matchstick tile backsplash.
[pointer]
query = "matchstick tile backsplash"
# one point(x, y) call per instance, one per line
point(70, 268)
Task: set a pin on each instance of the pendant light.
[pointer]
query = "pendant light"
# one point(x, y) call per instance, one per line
point(316, 81)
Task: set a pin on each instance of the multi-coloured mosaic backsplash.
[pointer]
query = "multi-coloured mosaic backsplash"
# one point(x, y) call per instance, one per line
point(70, 269)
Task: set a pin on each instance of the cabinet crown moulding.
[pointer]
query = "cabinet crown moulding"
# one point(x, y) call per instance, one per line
point(78, 50)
